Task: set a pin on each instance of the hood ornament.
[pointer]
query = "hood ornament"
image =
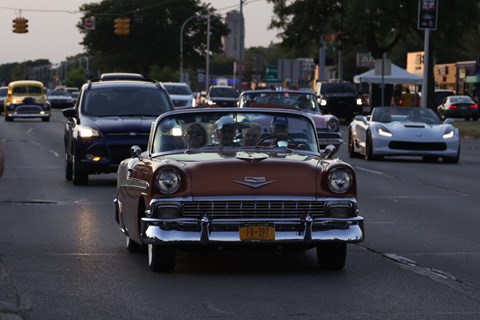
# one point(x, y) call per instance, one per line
point(254, 182)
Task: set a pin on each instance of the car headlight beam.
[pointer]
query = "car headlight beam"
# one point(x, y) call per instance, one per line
point(384, 132)
point(87, 132)
point(449, 134)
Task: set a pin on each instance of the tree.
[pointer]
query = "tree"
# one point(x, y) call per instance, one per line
point(154, 37)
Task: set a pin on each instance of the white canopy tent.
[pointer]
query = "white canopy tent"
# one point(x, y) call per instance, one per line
point(397, 76)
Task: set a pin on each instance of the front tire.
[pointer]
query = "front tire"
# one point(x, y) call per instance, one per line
point(79, 176)
point(161, 258)
point(369, 154)
point(351, 146)
point(132, 246)
point(332, 256)
point(68, 168)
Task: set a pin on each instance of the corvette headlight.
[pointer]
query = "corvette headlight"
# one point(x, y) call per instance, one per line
point(332, 125)
point(449, 134)
point(340, 180)
point(168, 181)
point(384, 132)
point(87, 132)
point(323, 102)
point(359, 102)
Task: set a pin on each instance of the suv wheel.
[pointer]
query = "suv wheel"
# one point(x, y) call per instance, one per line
point(79, 176)
point(68, 168)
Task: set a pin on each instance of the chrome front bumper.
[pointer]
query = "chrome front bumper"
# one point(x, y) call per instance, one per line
point(217, 231)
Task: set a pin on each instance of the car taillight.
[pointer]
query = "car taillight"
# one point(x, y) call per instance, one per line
point(474, 106)
point(453, 107)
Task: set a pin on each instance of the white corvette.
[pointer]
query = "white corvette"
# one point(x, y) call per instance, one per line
point(404, 131)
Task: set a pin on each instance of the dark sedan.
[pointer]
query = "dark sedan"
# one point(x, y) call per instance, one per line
point(458, 107)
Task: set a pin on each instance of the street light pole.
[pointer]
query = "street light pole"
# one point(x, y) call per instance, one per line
point(181, 45)
point(207, 71)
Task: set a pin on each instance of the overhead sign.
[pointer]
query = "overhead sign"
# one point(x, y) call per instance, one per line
point(427, 14)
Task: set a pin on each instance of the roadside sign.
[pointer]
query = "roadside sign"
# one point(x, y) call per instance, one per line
point(365, 60)
point(271, 74)
point(427, 14)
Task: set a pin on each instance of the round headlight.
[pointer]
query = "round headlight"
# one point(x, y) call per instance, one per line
point(333, 125)
point(340, 180)
point(168, 181)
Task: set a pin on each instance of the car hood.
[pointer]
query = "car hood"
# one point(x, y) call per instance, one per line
point(416, 129)
point(119, 124)
point(248, 174)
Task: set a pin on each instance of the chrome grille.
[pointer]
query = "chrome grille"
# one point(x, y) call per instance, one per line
point(253, 209)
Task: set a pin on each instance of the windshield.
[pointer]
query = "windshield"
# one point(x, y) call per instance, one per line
point(296, 100)
point(405, 114)
point(226, 92)
point(125, 102)
point(178, 89)
point(27, 90)
point(58, 93)
point(242, 131)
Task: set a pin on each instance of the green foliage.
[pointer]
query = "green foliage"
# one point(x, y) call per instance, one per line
point(154, 37)
point(75, 78)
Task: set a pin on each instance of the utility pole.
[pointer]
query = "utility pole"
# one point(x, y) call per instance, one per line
point(240, 48)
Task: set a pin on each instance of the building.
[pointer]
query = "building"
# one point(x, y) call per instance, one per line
point(231, 43)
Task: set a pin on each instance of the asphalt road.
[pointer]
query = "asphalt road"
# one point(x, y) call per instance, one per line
point(62, 255)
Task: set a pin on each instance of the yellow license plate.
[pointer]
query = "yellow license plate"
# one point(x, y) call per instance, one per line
point(257, 232)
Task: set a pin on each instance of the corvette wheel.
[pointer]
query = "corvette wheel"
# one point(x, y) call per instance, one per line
point(369, 155)
point(351, 146)
point(332, 256)
point(79, 177)
point(161, 258)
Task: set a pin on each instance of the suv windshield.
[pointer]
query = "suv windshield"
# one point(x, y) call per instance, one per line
point(125, 102)
point(178, 89)
point(223, 92)
point(337, 88)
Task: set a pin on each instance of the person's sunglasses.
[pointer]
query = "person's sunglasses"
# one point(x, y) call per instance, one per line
point(194, 133)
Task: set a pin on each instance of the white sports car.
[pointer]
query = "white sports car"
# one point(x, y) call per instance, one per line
point(403, 131)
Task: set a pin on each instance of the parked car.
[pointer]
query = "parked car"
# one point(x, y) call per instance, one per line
point(180, 93)
point(110, 117)
point(328, 126)
point(458, 107)
point(284, 195)
point(338, 98)
point(60, 99)
point(221, 96)
point(3, 96)
point(26, 99)
point(404, 131)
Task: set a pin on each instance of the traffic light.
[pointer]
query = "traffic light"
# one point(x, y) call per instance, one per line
point(20, 25)
point(122, 26)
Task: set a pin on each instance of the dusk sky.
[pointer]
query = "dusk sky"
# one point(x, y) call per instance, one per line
point(53, 33)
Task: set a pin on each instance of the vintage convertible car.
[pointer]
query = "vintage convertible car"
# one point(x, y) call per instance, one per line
point(234, 178)
point(328, 126)
point(404, 131)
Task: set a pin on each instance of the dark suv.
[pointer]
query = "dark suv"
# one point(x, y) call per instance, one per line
point(338, 98)
point(108, 118)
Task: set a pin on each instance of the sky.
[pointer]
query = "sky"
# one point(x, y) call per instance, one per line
point(52, 32)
